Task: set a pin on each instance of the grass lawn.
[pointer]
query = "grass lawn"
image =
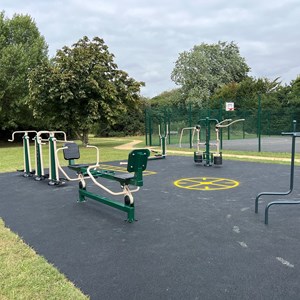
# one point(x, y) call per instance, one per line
point(26, 275)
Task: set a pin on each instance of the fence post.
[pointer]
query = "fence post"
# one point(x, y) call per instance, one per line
point(259, 123)
point(150, 129)
point(220, 119)
point(146, 127)
point(190, 124)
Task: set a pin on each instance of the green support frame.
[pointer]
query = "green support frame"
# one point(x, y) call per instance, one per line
point(118, 205)
point(136, 164)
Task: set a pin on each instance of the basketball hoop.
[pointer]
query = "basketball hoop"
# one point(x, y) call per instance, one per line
point(229, 106)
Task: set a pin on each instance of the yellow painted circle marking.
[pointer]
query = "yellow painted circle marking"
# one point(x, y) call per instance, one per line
point(206, 183)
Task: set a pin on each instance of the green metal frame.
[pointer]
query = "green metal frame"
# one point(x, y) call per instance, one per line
point(120, 206)
point(207, 155)
point(137, 163)
point(294, 135)
point(27, 171)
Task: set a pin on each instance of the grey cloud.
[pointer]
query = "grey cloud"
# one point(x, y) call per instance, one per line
point(147, 36)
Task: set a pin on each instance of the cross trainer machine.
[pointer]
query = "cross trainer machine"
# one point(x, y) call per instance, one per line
point(193, 134)
point(136, 164)
point(27, 170)
point(39, 173)
point(208, 156)
point(53, 175)
point(163, 145)
point(294, 135)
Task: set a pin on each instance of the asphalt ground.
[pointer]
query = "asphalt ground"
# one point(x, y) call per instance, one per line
point(203, 241)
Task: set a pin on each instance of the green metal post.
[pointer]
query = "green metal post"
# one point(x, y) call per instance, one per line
point(146, 127)
point(269, 117)
point(26, 154)
point(244, 124)
point(259, 123)
point(163, 144)
point(220, 118)
point(52, 159)
point(190, 123)
point(39, 171)
point(169, 127)
point(150, 129)
point(207, 153)
point(228, 132)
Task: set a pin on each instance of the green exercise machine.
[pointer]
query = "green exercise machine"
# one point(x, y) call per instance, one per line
point(27, 170)
point(209, 158)
point(294, 135)
point(163, 145)
point(136, 164)
point(39, 139)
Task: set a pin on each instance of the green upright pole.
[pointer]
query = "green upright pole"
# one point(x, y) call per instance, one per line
point(220, 118)
point(52, 159)
point(244, 124)
point(27, 163)
point(190, 123)
point(207, 141)
point(39, 163)
point(169, 128)
point(150, 129)
point(146, 127)
point(259, 123)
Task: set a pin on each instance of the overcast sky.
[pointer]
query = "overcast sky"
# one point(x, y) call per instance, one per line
point(146, 36)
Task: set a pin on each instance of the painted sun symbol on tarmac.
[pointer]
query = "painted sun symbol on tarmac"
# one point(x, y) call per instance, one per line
point(206, 183)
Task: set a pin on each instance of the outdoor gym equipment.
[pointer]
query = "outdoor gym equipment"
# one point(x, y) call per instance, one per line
point(39, 173)
point(136, 164)
point(294, 135)
point(163, 145)
point(53, 168)
point(193, 134)
point(28, 171)
point(209, 157)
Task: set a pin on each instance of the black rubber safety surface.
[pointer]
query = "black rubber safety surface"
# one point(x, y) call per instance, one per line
point(186, 244)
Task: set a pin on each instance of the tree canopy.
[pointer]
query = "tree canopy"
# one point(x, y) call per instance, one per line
point(206, 67)
point(21, 48)
point(245, 93)
point(81, 86)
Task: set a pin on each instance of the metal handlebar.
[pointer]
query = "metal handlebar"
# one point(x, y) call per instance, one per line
point(124, 192)
point(187, 128)
point(40, 140)
point(97, 149)
point(22, 131)
point(220, 125)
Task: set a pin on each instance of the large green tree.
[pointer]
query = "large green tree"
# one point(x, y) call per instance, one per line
point(82, 86)
point(245, 93)
point(21, 48)
point(206, 67)
point(293, 97)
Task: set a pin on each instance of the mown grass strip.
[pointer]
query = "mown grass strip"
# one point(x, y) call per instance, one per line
point(26, 275)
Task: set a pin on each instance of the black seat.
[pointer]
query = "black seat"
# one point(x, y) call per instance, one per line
point(71, 152)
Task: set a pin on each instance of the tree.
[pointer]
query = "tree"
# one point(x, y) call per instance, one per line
point(293, 97)
point(21, 48)
point(82, 86)
point(206, 67)
point(245, 93)
point(167, 98)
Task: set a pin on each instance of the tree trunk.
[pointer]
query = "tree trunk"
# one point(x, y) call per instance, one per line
point(85, 137)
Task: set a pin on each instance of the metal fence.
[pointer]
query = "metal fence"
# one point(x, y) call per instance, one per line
point(258, 123)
